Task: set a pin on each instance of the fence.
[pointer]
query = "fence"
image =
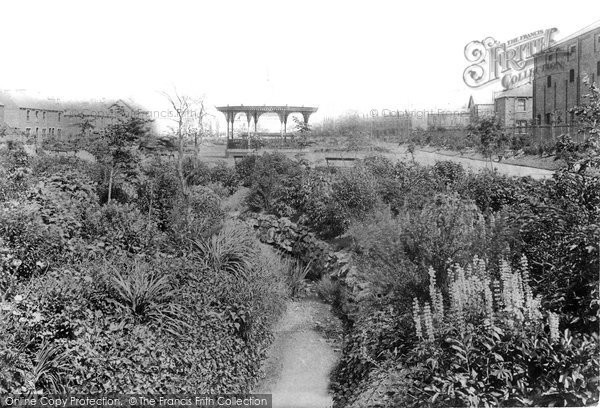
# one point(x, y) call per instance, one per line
point(456, 138)
point(268, 143)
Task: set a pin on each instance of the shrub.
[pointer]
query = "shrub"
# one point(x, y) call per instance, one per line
point(245, 168)
point(226, 175)
point(489, 347)
point(120, 227)
point(449, 172)
point(29, 246)
point(14, 172)
point(355, 191)
point(313, 199)
point(492, 191)
point(197, 215)
point(196, 173)
point(274, 179)
point(157, 193)
point(445, 229)
point(115, 327)
point(558, 231)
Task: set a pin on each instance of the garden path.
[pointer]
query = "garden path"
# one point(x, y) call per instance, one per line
point(296, 371)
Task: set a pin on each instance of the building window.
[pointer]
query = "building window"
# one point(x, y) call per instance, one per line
point(59, 115)
point(549, 81)
point(521, 105)
point(549, 57)
point(58, 132)
point(572, 117)
point(572, 51)
point(598, 69)
point(37, 115)
point(548, 118)
point(28, 115)
point(572, 75)
point(44, 115)
point(43, 132)
point(538, 120)
point(28, 131)
point(37, 131)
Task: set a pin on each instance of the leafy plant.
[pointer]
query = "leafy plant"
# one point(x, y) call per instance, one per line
point(487, 345)
point(296, 275)
point(147, 297)
point(230, 251)
point(51, 365)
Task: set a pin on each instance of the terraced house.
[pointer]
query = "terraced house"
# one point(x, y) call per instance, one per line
point(24, 114)
point(27, 116)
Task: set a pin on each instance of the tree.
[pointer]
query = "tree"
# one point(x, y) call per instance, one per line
point(199, 132)
point(182, 106)
point(118, 146)
point(492, 138)
point(581, 156)
point(301, 126)
point(85, 123)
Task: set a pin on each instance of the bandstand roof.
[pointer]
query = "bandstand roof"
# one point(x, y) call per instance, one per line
point(267, 108)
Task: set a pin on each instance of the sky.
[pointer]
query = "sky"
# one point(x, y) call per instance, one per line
point(337, 55)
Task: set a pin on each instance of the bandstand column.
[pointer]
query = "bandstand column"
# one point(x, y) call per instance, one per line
point(280, 114)
point(285, 118)
point(248, 119)
point(306, 116)
point(227, 120)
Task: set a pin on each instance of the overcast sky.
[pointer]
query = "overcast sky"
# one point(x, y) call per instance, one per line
point(337, 55)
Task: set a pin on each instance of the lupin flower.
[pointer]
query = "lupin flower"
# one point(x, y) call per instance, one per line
point(428, 321)
point(417, 318)
point(553, 321)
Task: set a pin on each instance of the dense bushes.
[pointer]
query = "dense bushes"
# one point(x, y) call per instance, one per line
point(558, 231)
point(553, 222)
point(114, 298)
point(402, 219)
point(273, 178)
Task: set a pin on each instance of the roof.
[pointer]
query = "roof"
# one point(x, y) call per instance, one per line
point(23, 99)
point(98, 107)
point(594, 26)
point(266, 108)
point(26, 99)
point(523, 91)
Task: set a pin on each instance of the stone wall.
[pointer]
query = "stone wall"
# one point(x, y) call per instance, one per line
point(299, 242)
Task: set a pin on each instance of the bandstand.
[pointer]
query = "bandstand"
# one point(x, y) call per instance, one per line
point(253, 113)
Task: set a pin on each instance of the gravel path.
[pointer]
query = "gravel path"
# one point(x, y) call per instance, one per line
point(302, 356)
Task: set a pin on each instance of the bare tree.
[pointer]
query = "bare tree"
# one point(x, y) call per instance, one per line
point(199, 132)
point(181, 104)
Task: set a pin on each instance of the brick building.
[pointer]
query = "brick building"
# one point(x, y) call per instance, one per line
point(559, 73)
point(514, 107)
point(28, 115)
